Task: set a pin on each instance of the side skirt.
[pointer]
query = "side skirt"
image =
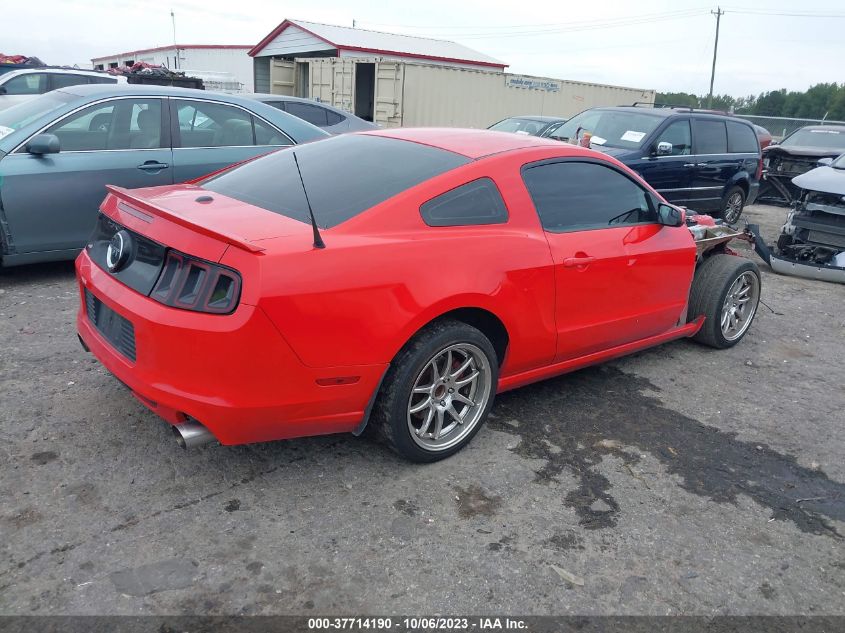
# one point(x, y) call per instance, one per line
point(506, 383)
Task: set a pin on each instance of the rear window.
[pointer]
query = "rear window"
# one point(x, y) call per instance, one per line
point(343, 175)
point(741, 138)
point(833, 138)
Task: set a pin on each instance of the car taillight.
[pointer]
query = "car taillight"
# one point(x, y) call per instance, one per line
point(759, 169)
point(194, 284)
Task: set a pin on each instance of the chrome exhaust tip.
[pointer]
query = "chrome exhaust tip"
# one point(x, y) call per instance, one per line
point(191, 434)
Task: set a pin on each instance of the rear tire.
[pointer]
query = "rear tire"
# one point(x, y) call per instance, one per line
point(437, 392)
point(726, 290)
point(732, 204)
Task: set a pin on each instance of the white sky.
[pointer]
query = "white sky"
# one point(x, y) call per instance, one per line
point(756, 52)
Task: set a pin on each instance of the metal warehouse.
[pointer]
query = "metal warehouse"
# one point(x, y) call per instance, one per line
point(399, 80)
point(224, 67)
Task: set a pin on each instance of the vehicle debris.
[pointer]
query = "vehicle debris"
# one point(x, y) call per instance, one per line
point(812, 240)
point(798, 154)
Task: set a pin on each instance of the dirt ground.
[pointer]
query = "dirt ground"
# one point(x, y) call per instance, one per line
point(681, 480)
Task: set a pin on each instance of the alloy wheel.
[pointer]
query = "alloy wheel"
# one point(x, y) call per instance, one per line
point(449, 396)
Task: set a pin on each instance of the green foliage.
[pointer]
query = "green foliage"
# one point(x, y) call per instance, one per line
point(814, 103)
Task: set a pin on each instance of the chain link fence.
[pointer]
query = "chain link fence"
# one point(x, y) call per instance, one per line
point(781, 126)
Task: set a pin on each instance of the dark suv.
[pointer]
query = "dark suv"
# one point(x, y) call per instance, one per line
point(702, 160)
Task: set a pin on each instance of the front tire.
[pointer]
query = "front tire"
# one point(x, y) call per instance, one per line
point(732, 204)
point(438, 392)
point(726, 290)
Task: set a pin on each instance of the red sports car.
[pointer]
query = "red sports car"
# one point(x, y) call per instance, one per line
point(397, 278)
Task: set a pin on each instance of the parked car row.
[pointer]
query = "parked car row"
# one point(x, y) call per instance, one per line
point(59, 151)
point(699, 159)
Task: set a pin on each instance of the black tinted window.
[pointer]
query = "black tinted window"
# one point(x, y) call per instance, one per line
point(344, 176)
point(28, 84)
point(710, 137)
point(741, 138)
point(477, 202)
point(573, 195)
point(333, 118)
point(307, 112)
point(63, 80)
point(678, 134)
point(102, 80)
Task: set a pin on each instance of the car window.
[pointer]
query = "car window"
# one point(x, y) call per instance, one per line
point(22, 114)
point(266, 134)
point(710, 137)
point(678, 134)
point(827, 138)
point(307, 112)
point(208, 124)
point(518, 126)
point(552, 130)
point(63, 80)
point(741, 138)
point(572, 195)
point(30, 84)
point(116, 124)
point(102, 80)
point(344, 176)
point(333, 118)
point(477, 202)
point(611, 128)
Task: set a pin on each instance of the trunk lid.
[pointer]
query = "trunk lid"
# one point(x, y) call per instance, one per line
point(185, 209)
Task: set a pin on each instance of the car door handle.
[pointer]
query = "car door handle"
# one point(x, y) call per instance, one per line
point(152, 165)
point(689, 164)
point(701, 164)
point(572, 262)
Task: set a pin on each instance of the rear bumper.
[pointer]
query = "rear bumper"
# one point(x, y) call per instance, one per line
point(235, 374)
point(753, 192)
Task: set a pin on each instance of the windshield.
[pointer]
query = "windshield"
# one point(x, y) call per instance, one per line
point(610, 128)
point(344, 176)
point(17, 116)
point(819, 137)
point(839, 163)
point(519, 126)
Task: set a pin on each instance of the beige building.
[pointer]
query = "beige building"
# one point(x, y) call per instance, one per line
point(399, 80)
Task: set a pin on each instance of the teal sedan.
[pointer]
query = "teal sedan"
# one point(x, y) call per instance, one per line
point(59, 151)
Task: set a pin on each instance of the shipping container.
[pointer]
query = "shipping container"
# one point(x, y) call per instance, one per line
point(397, 93)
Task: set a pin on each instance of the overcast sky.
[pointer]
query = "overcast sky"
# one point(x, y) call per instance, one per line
point(661, 44)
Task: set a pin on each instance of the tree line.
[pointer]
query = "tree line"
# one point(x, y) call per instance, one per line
point(826, 100)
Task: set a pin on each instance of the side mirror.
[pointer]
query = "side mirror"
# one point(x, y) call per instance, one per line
point(2, 90)
point(825, 162)
point(668, 215)
point(664, 148)
point(44, 144)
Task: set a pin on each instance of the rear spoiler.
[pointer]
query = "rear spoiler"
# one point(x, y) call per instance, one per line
point(139, 204)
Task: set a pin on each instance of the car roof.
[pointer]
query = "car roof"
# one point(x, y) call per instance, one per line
point(470, 143)
point(839, 128)
point(541, 118)
point(69, 71)
point(121, 90)
point(264, 97)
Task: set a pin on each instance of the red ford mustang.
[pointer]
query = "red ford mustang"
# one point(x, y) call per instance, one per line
point(396, 278)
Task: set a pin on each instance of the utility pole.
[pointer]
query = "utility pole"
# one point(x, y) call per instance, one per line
point(176, 58)
point(718, 13)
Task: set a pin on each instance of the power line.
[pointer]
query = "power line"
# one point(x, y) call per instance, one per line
point(791, 14)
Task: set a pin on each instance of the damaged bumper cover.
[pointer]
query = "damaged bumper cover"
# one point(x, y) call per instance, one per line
point(785, 266)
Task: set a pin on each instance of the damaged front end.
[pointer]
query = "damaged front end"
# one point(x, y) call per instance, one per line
point(712, 236)
point(812, 241)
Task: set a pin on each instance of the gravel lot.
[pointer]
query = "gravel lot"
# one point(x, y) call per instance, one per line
point(679, 480)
